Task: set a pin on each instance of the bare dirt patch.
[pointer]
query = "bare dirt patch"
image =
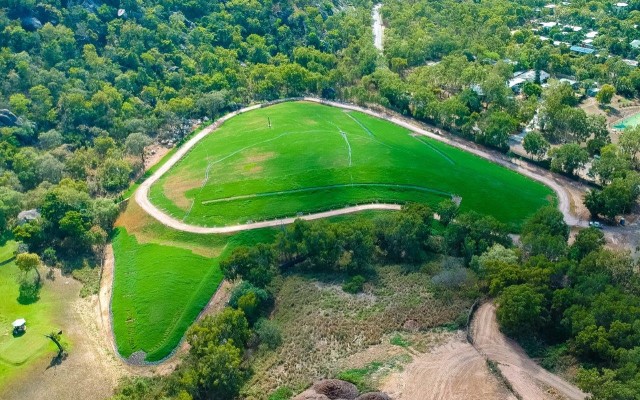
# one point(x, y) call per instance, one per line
point(453, 370)
point(154, 153)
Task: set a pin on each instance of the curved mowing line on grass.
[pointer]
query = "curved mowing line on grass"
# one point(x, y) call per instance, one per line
point(446, 157)
point(361, 125)
point(311, 189)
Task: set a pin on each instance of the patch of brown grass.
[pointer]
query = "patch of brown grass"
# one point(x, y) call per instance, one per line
point(147, 229)
point(323, 328)
point(175, 188)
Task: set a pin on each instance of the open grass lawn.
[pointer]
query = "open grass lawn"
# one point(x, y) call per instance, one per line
point(16, 353)
point(316, 157)
point(163, 279)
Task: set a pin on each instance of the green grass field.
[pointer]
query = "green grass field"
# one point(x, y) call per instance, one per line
point(163, 279)
point(17, 353)
point(316, 158)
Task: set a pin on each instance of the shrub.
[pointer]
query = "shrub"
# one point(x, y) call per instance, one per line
point(354, 285)
point(268, 333)
point(281, 393)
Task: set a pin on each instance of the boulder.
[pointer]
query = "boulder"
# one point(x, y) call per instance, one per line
point(310, 394)
point(374, 396)
point(7, 118)
point(336, 389)
point(31, 24)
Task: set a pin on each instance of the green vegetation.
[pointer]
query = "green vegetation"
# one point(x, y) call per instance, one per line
point(317, 157)
point(573, 306)
point(159, 290)
point(17, 353)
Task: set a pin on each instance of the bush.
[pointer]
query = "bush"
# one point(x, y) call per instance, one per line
point(281, 393)
point(268, 333)
point(250, 299)
point(354, 285)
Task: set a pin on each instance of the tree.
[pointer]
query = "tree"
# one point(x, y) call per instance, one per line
point(605, 94)
point(616, 198)
point(253, 264)
point(447, 210)
point(568, 158)
point(496, 129)
point(611, 164)
point(135, 144)
point(547, 220)
point(587, 241)
point(55, 338)
point(536, 145)
point(630, 143)
point(230, 326)
point(114, 175)
point(27, 262)
point(531, 89)
point(520, 311)
point(217, 374)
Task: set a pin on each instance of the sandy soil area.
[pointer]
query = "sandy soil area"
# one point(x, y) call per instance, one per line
point(454, 370)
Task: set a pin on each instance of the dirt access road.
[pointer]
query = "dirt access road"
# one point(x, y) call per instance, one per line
point(452, 371)
point(566, 197)
point(529, 380)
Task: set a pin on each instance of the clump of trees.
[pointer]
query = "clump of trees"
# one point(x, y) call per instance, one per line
point(565, 301)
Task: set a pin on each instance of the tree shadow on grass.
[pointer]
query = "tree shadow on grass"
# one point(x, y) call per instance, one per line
point(57, 360)
point(29, 293)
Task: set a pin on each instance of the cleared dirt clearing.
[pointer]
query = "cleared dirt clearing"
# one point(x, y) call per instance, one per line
point(454, 370)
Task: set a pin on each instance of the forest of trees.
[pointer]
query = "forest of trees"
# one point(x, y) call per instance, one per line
point(88, 85)
point(569, 305)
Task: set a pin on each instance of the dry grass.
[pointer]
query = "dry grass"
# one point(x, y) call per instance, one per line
point(147, 230)
point(324, 328)
point(176, 188)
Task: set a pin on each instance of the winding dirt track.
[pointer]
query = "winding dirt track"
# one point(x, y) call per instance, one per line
point(142, 194)
point(529, 380)
point(452, 371)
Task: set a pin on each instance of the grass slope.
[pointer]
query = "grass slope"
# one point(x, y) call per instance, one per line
point(17, 353)
point(316, 157)
point(163, 279)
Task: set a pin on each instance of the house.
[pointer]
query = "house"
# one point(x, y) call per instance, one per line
point(631, 63)
point(574, 84)
point(635, 44)
point(593, 92)
point(519, 78)
point(591, 35)
point(620, 6)
point(548, 25)
point(582, 50)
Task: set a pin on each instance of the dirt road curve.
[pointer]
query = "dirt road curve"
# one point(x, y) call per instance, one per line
point(142, 194)
point(528, 379)
point(453, 371)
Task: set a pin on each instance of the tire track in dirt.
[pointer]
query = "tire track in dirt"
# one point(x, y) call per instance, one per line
point(452, 371)
point(529, 380)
